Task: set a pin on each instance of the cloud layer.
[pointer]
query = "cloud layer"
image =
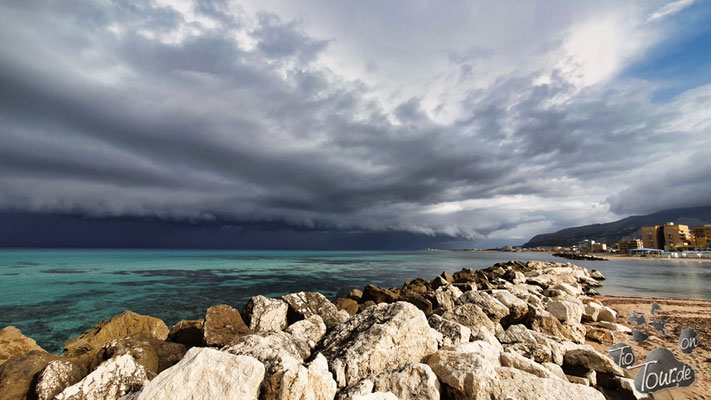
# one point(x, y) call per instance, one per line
point(478, 122)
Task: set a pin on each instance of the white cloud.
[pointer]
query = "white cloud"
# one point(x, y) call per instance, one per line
point(669, 9)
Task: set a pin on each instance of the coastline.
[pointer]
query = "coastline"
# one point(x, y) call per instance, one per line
point(513, 311)
point(638, 258)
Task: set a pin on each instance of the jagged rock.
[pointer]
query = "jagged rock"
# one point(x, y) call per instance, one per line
point(522, 363)
point(467, 372)
point(565, 310)
point(262, 314)
point(271, 348)
point(366, 304)
point(569, 289)
point(83, 349)
point(311, 330)
point(545, 322)
point(17, 374)
point(419, 286)
point(382, 337)
point(355, 294)
point(296, 381)
point(591, 312)
point(361, 388)
point(187, 332)
point(466, 275)
point(445, 297)
point(539, 353)
point(349, 305)
point(578, 380)
point(153, 354)
point(606, 314)
point(378, 294)
point(417, 300)
point(516, 334)
point(595, 274)
point(522, 386)
point(517, 307)
point(471, 316)
point(447, 277)
point(485, 335)
point(14, 344)
point(492, 307)
point(555, 370)
point(206, 373)
point(439, 282)
point(411, 382)
point(305, 304)
point(55, 377)
point(223, 324)
point(599, 335)
point(578, 361)
point(452, 332)
point(110, 380)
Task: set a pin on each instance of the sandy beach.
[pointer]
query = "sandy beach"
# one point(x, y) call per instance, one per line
point(678, 314)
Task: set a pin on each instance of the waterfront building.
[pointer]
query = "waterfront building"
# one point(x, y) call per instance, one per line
point(653, 237)
point(702, 237)
point(626, 246)
point(599, 247)
point(678, 237)
point(586, 246)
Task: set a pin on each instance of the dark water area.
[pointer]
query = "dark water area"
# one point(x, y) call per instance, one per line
point(54, 295)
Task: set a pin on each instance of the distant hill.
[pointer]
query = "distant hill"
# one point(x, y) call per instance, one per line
point(626, 228)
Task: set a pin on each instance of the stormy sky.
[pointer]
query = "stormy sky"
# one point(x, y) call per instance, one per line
point(460, 123)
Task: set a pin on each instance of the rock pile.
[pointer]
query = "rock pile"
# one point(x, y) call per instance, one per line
point(512, 331)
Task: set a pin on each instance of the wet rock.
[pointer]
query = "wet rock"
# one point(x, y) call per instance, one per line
point(55, 377)
point(523, 386)
point(595, 274)
point(311, 330)
point(378, 295)
point(17, 374)
point(467, 372)
point(349, 305)
point(382, 337)
point(110, 380)
point(187, 332)
point(153, 354)
point(355, 294)
point(452, 332)
point(417, 300)
point(14, 344)
point(492, 307)
point(471, 316)
point(262, 314)
point(223, 324)
point(411, 382)
point(305, 304)
point(83, 349)
point(206, 373)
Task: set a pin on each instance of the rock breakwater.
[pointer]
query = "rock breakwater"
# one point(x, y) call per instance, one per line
point(512, 331)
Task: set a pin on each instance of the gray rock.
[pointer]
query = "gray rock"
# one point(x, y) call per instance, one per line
point(492, 307)
point(305, 304)
point(311, 330)
point(270, 348)
point(471, 316)
point(452, 332)
point(110, 380)
point(386, 336)
point(262, 314)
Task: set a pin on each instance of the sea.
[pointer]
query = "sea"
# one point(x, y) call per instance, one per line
point(54, 295)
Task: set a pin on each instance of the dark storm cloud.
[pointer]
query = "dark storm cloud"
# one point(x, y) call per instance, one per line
point(140, 110)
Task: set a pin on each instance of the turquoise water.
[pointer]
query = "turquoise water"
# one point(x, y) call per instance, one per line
point(53, 295)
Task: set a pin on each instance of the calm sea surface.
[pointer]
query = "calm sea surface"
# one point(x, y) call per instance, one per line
point(54, 295)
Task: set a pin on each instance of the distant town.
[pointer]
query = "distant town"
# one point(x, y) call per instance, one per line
point(669, 240)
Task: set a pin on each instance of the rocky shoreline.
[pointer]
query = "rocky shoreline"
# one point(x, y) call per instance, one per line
point(512, 331)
